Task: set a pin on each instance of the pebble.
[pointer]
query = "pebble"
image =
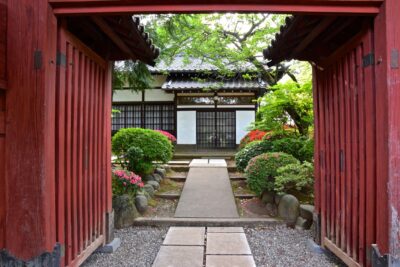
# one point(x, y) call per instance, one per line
point(139, 247)
point(280, 246)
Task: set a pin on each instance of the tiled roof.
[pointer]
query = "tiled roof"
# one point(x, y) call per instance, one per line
point(188, 83)
point(181, 64)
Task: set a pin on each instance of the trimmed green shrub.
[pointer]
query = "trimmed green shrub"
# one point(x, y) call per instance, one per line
point(262, 170)
point(301, 148)
point(294, 178)
point(154, 146)
point(253, 149)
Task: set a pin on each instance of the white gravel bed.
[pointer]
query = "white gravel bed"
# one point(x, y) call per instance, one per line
point(281, 246)
point(139, 247)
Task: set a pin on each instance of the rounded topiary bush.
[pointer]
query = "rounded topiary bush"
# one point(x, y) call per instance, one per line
point(300, 147)
point(253, 149)
point(154, 145)
point(262, 170)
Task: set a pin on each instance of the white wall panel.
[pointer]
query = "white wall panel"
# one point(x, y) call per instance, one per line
point(186, 127)
point(244, 118)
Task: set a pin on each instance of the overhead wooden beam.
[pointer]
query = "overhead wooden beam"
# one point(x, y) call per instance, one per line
point(113, 36)
point(345, 7)
point(313, 34)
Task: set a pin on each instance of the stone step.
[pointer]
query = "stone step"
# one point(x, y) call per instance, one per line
point(237, 178)
point(179, 162)
point(168, 196)
point(179, 168)
point(209, 222)
point(245, 196)
point(177, 178)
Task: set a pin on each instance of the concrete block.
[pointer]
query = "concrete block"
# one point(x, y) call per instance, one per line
point(185, 236)
point(110, 247)
point(227, 244)
point(169, 256)
point(229, 261)
point(225, 230)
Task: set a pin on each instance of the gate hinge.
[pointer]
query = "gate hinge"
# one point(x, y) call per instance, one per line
point(341, 160)
point(37, 59)
point(368, 60)
point(61, 59)
point(394, 59)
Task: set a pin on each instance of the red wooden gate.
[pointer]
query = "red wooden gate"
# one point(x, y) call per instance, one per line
point(81, 163)
point(346, 153)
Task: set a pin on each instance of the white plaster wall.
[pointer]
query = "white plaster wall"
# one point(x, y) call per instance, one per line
point(127, 96)
point(243, 120)
point(186, 127)
point(158, 95)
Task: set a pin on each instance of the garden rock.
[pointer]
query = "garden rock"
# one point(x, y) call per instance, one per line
point(125, 211)
point(268, 197)
point(278, 199)
point(158, 178)
point(272, 209)
point(161, 172)
point(154, 184)
point(307, 211)
point(303, 224)
point(289, 209)
point(149, 177)
point(141, 203)
point(149, 189)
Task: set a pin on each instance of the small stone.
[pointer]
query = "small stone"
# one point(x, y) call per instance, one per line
point(302, 223)
point(141, 203)
point(278, 199)
point(268, 197)
point(307, 211)
point(149, 177)
point(149, 189)
point(272, 209)
point(161, 172)
point(288, 209)
point(125, 211)
point(158, 178)
point(154, 184)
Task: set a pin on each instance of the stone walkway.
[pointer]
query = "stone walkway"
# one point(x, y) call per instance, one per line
point(207, 192)
point(201, 246)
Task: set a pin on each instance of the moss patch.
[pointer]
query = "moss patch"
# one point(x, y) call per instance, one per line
point(169, 186)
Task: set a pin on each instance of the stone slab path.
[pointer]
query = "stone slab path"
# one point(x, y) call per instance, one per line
point(207, 192)
point(201, 246)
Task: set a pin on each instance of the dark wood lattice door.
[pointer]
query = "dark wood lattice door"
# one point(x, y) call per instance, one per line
point(216, 129)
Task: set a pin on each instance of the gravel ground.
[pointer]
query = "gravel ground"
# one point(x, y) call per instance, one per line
point(280, 246)
point(139, 247)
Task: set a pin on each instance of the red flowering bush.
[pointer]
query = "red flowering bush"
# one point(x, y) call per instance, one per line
point(168, 135)
point(253, 135)
point(126, 182)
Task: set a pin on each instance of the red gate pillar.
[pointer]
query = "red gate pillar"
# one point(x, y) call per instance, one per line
point(387, 60)
point(29, 146)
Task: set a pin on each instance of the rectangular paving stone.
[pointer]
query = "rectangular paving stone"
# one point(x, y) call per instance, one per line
point(185, 236)
point(227, 244)
point(229, 261)
point(217, 163)
point(207, 194)
point(173, 256)
point(225, 230)
point(198, 163)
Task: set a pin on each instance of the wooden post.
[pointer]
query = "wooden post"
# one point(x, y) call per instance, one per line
point(387, 72)
point(30, 129)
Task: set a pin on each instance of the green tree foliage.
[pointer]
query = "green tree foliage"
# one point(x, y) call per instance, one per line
point(228, 41)
point(133, 75)
point(285, 103)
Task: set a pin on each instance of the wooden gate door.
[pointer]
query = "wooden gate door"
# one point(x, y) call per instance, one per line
point(81, 141)
point(216, 129)
point(346, 154)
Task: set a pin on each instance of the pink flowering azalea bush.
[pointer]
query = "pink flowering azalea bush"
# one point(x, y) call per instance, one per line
point(168, 135)
point(126, 182)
